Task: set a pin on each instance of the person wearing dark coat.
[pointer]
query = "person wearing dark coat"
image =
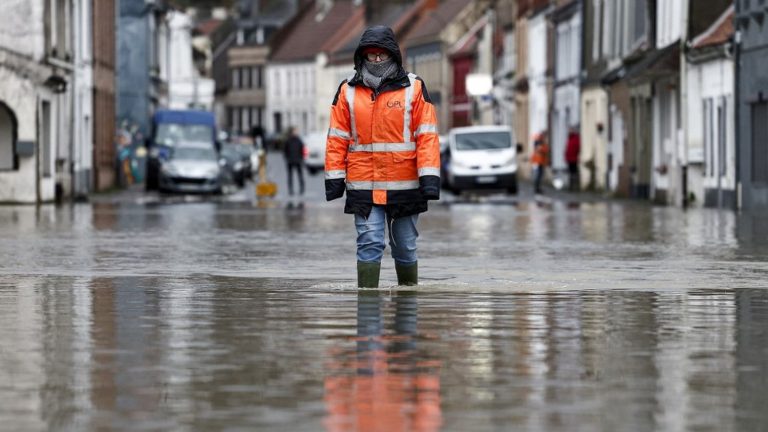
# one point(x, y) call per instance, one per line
point(294, 158)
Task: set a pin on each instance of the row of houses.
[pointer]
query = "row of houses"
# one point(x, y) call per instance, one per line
point(79, 80)
point(649, 85)
point(668, 106)
point(668, 95)
point(279, 63)
point(655, 87)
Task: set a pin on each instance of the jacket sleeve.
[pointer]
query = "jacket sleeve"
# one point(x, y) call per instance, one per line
point(427, 143)
point(339, 136)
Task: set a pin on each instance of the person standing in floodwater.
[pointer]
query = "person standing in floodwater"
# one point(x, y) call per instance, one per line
point(383, 150)
point(294, 158)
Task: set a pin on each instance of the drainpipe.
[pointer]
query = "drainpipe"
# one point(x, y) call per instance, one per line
point(683, 158)
point(737, 112)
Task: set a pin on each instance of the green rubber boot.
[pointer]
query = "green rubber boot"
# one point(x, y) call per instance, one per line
point(407, 274)
point(368, 274)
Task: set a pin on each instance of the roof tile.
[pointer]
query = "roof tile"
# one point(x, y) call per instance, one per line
point(308, 36)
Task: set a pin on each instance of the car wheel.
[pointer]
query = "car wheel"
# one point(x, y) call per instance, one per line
point(512, 188)
point(151, 183)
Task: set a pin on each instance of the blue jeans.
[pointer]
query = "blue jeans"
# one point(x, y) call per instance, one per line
point(402, 237)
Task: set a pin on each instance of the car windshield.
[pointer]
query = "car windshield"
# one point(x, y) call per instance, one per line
point(173, 134)
point(483, 141)
point(244, 149)
point(230, 152)
point(194, 153)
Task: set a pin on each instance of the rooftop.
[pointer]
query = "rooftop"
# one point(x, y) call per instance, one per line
point(718, 33)
point(311, 31)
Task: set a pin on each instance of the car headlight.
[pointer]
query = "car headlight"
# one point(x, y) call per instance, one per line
point(212, 172)
point(459, 164)
point(238, 166)
point(170, 170)
point(509, 161)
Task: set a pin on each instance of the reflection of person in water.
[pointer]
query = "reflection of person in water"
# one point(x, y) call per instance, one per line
point(384, 385)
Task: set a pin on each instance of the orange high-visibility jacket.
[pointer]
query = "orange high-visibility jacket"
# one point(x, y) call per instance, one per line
point(382, 146)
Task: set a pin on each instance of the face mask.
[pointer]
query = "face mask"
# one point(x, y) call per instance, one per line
point(375, 73)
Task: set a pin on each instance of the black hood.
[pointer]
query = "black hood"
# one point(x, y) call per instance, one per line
point(380, 37)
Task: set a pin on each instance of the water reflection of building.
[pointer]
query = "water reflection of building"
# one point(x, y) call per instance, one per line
point(751, 362)
point(385, 384)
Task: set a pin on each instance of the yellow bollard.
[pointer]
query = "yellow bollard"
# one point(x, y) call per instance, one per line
point(264, 188)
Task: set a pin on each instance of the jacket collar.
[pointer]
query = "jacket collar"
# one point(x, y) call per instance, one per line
point(400, 80)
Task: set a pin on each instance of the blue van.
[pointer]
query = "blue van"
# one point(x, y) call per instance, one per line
point(177, 128)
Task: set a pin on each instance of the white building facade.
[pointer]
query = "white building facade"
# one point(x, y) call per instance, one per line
point(566, 103)
point(538, 102)
point(291, 97)
point(186, 88)
point(711, 131)
point(82, 120)
point(669, 154)
point(37, 143)
point(328, 77)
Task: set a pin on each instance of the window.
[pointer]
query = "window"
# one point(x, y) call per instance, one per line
point(235, 78)
point(709, 159)
point(235, 119)
point(8, 158)
point(245, 78)
point(255, 116)
point(597, 25)
point(612, 28)
point(510, 55)
point(640, 24)
point(58, 28)
point(174, 134)
point(721, 138)
point(45, 139)
point(760, 142)
point(245, 123)
point(256, 77)
point(288, 75)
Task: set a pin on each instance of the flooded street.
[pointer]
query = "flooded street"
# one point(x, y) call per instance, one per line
point(146, 313)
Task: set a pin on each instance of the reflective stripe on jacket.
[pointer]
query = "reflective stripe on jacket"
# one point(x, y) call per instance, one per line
point(384, 146)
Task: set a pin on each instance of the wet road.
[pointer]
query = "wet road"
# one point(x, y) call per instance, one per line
point(151, 313)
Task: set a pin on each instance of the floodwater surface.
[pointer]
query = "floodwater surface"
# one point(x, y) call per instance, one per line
point(530, 315)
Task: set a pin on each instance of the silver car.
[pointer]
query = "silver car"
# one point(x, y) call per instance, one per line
point(191, 169)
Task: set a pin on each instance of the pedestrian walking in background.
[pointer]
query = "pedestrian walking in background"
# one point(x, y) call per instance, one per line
point(383, 150)
point(257, 133)
point(572, 150)
point(294, 158)
point(539, 160)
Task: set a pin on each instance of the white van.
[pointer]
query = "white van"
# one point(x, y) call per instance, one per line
point(480, 157)
point(314, 159)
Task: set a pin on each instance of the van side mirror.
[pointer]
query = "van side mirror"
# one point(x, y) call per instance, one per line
point(519, 148)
